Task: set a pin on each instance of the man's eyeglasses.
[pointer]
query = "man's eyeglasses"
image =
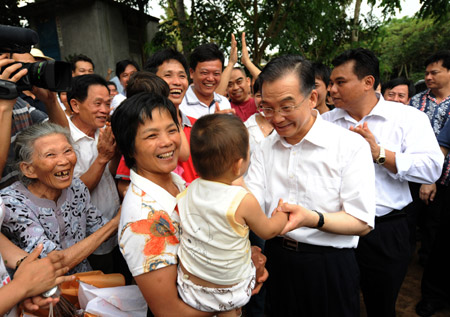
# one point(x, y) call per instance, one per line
point(284, 111)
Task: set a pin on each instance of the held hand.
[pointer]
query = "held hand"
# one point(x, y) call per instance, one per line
point(245, 58)
point(427, 193)
point(233, 51)
point(40, 275)
point(225, 111)
point(106, 144)
point(279, 207)
point(369, 137)
point(298, 217)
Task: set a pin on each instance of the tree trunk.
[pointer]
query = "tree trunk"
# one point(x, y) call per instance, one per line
point(185, 32)
point(355, 28)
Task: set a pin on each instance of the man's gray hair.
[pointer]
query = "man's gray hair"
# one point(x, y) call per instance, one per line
point(24, 144)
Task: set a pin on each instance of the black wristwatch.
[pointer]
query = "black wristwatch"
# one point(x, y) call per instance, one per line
point(321, 220)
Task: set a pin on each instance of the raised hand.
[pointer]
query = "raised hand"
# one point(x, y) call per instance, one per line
point(106, 144)
point(217, 109)
point(233, 51)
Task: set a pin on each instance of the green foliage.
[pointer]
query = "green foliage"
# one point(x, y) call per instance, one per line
point(407, 42)
point(318, 29)
point(312, 28)
point(435, 9)
point(315, 29)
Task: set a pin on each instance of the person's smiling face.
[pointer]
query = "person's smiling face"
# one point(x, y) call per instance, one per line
point(174, 74)
point(285, 92)
point(238, 86)
point(206, 77)
point(94, 110)
point(52, 164)
point(157, 145)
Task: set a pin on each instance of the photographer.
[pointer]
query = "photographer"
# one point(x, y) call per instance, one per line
point(16, 115)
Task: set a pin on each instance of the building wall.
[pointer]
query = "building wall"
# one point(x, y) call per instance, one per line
point(97, 29)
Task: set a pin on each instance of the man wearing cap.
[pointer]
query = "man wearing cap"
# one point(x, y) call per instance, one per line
point(39, 55)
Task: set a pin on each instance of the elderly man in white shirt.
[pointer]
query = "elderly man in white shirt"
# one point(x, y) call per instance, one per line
point(403, 148)
point(325, 171)
point(96, 157)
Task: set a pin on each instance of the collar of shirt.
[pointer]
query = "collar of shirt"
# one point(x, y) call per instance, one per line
point(165, 199)
point(429, 95)
point(192, 100)
point(77, 134)
point(381, 110)
point(185, 122)
point(315, 135)
point(42, 202)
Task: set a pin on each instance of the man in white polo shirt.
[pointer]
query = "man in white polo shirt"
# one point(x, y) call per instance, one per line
point(205, 71)
point(325, 171)
point(96, 151)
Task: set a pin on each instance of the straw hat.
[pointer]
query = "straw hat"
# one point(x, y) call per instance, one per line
point(37, 53)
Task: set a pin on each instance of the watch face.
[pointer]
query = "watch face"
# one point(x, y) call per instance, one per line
point(381, 160)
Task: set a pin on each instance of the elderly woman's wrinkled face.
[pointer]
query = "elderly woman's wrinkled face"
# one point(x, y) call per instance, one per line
point(157, 145)
point(53, 161)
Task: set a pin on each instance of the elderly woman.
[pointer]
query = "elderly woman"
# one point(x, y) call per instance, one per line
point(32, 277)
point(48, 206)
point(147, 132)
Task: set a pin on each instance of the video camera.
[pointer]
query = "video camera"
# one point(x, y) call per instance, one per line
point(52, 75)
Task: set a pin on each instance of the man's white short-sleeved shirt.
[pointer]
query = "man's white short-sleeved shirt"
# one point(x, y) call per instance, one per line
point(329, 170)
point(194, 108)
point(407, 132)
point(104, 196)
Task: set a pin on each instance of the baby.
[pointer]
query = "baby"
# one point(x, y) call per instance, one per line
point(215, 272)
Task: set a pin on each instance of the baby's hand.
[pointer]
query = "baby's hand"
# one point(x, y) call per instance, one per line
point(297, 216)
point(279, 207)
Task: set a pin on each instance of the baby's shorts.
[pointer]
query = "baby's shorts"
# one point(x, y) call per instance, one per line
point(210, 299)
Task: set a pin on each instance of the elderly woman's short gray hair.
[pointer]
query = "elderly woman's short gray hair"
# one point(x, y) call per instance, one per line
point(24, 143)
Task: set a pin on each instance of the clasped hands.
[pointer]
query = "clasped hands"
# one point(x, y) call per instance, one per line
point(299, 216)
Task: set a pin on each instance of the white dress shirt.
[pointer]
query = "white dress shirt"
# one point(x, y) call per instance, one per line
point(116, 101)
point(407, 132)
point(329, 170)
point(192, 107)
point(104, 196)
point(254, 132)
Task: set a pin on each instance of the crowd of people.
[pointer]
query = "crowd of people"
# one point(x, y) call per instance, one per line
point(287, 190)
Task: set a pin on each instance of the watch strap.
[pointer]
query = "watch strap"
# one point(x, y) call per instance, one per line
point(382, 156)
point(321, 219)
